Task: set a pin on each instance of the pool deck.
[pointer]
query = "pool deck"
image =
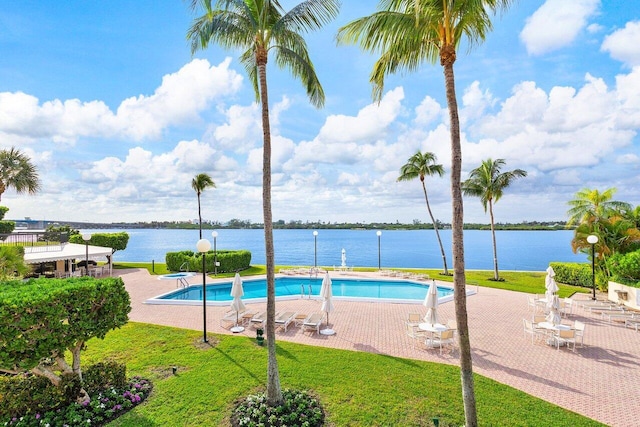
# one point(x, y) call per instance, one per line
point(600, 380)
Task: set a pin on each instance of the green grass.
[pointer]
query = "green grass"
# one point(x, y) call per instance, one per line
point(355, 388)
point(531, 282)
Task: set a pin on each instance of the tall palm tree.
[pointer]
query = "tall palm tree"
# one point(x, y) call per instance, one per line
point(419, 166)
point(17, 172)
point(488, 183)
point(589, 206)
point(408, 33)
point(199, 183)
point(258, 27)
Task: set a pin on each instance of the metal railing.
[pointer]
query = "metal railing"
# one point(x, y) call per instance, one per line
point(38, 241)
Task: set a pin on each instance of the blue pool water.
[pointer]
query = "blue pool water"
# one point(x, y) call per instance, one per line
point(293, 287)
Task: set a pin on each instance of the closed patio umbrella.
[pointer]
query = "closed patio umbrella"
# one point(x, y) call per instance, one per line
point(431, 302)
point(553, 303)
point(237, 305)
point(327, 305)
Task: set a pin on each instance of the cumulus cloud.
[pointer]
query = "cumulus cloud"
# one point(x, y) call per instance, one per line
point(177, 101)
point(556, 24)
point(622, 44)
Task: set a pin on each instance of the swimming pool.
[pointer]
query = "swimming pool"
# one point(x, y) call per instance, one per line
point(402, 291)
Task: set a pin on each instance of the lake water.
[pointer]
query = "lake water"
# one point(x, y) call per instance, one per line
point(517, 250)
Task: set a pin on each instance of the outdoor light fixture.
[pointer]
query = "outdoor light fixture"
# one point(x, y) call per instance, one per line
point(203, 247)
point(379, 234)
point(315, 249)
point(86, 237)
point(593, 239)
point(214, 234)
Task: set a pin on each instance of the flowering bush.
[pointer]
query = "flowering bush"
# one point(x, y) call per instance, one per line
point(298, 410)
point(102, 407)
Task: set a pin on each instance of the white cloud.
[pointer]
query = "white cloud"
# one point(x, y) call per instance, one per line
point(556, 24)
point(628, 159)
point(178, 101)
point(623, 44)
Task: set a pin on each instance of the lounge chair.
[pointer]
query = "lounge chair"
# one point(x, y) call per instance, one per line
point(259, 319)
point(632, 323)
point(230, 317)
point(283, 319)
point(313, 322)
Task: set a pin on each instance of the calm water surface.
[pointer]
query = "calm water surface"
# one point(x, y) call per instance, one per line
point(517, 250)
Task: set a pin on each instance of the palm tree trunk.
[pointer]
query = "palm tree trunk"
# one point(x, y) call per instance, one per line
point(435, 227)
point(199, 215)
point(496, 276)
point(274, 392)
point(447, 58)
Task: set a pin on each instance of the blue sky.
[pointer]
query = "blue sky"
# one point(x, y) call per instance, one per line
point(118, 116)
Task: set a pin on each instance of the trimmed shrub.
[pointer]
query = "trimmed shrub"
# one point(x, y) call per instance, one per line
point(573, 273)
point(104, 375)
point(23, 395)
point(230, 261)
point(7, 227)
point(625, 268)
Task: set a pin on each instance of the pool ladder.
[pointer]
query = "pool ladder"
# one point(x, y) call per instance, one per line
point(302, 291)
point(181, 282)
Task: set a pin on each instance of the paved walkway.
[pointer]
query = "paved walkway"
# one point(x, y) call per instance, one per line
point(600, 381)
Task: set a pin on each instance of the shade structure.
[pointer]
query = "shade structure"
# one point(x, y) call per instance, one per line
point(237, 305)
point(431, 302)
point(550, 281)
point(553, 303)
point(327, 304)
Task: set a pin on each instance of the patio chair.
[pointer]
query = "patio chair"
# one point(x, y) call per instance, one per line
point(415, 333)
point(452, 324)
point(312, 322)
point(414, 319)
point(579, 328)
point(566, 307)
point(565, 337)
point(442, 339)
point(283, 319)
point(529, 329)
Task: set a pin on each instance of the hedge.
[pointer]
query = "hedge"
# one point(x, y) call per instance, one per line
point(625, 268)
point(573, 273)
point(229, 261)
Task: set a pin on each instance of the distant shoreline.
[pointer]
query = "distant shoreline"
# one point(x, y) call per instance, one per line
point(31, 224)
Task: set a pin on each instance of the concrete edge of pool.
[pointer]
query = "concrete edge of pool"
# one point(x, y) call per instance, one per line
point(158, 300)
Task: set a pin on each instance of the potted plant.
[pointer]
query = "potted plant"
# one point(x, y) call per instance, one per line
point(260, 336)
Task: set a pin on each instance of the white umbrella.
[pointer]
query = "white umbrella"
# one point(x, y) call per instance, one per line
point(554, 310)
point(431, 302)
point(237, 305)
point(327, 305)
point(550, 281)
point(344, 258)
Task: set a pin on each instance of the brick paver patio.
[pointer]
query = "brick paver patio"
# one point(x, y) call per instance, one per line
point(600, 381)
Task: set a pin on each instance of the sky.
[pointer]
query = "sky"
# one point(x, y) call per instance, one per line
point(118, 116)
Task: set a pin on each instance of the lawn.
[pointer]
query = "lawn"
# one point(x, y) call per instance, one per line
point(355, 388)
point(531, 282)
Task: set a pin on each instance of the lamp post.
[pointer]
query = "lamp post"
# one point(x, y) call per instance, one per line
point(379, 234)
point(315, 249)
point(593, 239)
point(86, 237)
point(214, 234)
point(203, 247)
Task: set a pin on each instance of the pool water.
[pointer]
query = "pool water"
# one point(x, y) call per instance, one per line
point(294, 287)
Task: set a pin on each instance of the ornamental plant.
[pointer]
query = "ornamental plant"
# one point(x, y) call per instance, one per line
point(42, 319)
point(299, 409)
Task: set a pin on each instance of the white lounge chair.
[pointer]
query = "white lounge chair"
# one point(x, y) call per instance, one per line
point(313, 322)
point(283, 319)
point(259, 319)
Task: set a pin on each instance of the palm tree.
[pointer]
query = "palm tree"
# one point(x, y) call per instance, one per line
point(17, 172)
point(589, 206)
point(488, 183)
point(258, 27)
point(408, 33)
point(418, 166)
point(199, 183)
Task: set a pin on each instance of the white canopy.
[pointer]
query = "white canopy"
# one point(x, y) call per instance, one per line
point(39, 254)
